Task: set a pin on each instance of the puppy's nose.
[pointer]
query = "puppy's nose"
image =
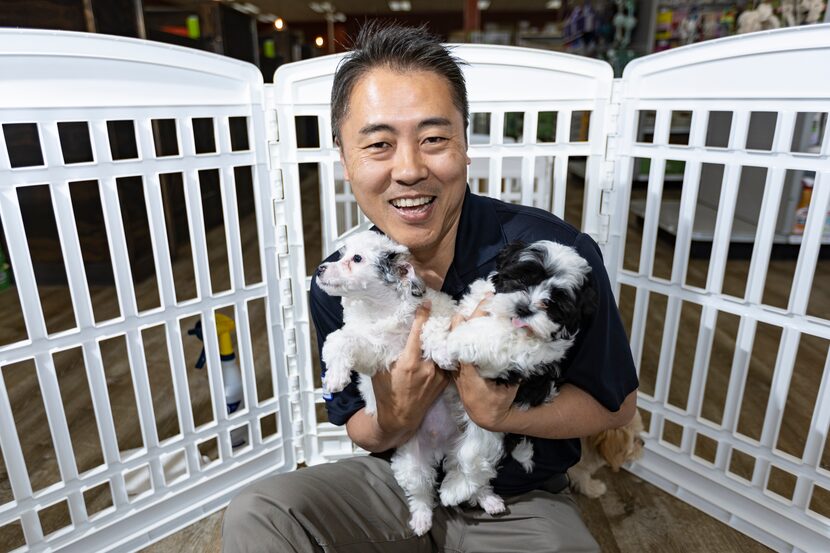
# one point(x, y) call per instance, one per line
point(523, 310)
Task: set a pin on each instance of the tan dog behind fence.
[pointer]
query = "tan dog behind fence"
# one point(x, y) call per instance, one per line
point(611, 448)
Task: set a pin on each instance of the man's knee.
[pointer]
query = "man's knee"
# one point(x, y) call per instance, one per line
point(241, 512)
point(254, 521)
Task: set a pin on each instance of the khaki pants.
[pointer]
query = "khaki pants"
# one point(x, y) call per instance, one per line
point(355, 506)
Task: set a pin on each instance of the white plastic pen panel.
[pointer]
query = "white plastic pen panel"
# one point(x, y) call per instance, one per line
point(135, 201)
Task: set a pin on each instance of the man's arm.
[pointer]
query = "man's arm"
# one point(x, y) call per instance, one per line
point(403, 394)
point(573, 414)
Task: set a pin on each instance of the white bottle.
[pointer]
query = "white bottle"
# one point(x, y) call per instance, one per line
point(234, 397)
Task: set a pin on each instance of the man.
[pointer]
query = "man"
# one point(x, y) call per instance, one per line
point(400, 114)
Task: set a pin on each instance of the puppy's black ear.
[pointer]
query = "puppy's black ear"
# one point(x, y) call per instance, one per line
point(388, 266)
point(411, 281)
point(396, 269)
point(507, 255)
point(508, 275)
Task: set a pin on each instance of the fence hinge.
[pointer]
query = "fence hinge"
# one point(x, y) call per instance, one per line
point(295, 400)
point(608, 163)
point(272, 128)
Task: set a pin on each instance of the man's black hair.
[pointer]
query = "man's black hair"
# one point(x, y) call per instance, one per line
point(399, 48)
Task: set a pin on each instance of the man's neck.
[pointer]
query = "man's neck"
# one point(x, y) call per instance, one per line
point(432, 265)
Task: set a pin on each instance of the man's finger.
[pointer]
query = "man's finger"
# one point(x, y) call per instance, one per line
point(480, 310)
point(413, 342)
point(457, 319)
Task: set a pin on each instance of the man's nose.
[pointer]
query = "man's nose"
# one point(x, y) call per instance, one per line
point(409, 167)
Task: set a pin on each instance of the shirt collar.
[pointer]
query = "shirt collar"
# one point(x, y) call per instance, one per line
point(478, 240)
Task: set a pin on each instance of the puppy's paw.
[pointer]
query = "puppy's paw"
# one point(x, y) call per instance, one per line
point(421, 521)
point(491, 503)
point(455, 489)
point(593, 488)
point(336, 380)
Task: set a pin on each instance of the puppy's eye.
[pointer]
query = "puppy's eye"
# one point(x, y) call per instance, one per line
point(357, 259)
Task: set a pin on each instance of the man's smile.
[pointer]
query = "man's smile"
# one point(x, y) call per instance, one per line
point(412, 202)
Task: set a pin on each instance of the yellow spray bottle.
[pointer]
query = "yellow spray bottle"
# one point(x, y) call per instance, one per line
point(231, 375)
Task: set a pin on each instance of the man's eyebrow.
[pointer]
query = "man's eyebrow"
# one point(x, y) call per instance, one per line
point(384, 127)
point(435, 122)
point(376, 127)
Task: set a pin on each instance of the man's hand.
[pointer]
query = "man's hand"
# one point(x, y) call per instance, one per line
point(409, 388)
point(487, 403)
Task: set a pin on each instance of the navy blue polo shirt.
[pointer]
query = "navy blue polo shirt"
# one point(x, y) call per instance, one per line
point(599, 362)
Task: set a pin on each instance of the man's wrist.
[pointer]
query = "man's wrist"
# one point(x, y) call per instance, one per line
point(512, 422)
point(394, 429)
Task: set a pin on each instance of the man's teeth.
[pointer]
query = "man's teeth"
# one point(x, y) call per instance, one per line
point(412, 202)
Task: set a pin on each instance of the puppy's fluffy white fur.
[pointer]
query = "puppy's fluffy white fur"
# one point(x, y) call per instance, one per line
point(612, 448)
point(380, 294)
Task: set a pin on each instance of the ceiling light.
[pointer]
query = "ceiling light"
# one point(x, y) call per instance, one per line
point(553, 4)
point(319, 41)
point(483, 4)
point(279, 24)
point(400, 6)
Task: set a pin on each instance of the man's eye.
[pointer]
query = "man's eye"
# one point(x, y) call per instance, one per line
point(357, 259)
point(378, 146)
point(434, 139)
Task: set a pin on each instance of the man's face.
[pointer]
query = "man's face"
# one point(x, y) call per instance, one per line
point(404, 151)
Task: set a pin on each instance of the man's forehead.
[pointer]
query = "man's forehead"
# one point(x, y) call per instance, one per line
point(385, 87)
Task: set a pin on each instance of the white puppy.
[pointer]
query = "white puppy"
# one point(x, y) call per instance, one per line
point(380, 294)
point(543, 295)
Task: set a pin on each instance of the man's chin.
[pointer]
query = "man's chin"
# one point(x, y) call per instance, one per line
point(415, 238)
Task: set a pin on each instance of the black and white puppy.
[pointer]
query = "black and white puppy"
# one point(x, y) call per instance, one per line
point(543, 295)
point(380, 294)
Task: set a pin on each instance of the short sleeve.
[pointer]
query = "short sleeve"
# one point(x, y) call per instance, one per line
point(600, 361)
point(327, 314)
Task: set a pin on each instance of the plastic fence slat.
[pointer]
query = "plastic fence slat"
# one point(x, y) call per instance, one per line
point(328, 203)
point(5, 162)
point(232, 234)
point(16, 468)
point(103, 417)
point(816, 437)
point(723, 228)
point(118, 247)
point(159, 239)
point(810, 245)
point(181, 392)
point(73, 258)
point(246, 362)
point(770, 206)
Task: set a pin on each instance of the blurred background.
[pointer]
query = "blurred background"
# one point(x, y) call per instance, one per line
point(269, 33)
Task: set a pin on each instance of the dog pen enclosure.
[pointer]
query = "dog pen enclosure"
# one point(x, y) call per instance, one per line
point(192, 169)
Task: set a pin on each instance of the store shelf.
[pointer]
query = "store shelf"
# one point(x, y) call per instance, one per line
point(703, 230)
